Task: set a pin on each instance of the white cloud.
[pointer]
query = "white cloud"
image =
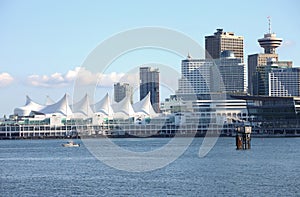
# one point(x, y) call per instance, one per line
point(5, 79)
point(80, 75)
point(72, 74)
point(288, 44)
point(54, 80)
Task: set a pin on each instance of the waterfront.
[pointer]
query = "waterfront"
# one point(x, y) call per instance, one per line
point(44, 167)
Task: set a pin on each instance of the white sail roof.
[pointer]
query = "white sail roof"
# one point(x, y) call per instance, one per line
point(123, 107)
point(49, 101)
point(104, 106)
point(144, 106)
point(61, 107)
point(82, 107)
point(28, 107)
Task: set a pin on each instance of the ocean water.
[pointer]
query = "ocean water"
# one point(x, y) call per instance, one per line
point(43, 167)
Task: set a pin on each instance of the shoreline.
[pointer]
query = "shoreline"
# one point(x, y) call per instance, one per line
point(141, 137)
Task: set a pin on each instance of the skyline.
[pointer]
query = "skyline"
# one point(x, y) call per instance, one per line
point(43, 43)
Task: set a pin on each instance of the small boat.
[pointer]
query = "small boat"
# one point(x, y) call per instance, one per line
point(71, 144)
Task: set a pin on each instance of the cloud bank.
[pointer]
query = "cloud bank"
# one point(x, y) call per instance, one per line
point(82, 76)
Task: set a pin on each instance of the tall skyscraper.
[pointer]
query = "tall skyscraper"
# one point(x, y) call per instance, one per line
point(269, 42)
point(149, 82)
point(222, 41)
point(121, 91)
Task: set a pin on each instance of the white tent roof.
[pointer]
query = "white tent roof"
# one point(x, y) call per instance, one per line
point(124, 107)
point(104, 106)
point(49, 101)
point(61, 107)
point(28, 107)
point(82, 107)
point(144, 106)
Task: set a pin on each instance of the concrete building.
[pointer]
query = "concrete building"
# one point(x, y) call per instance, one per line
point(255, 61)
point(275, 79)
point(149, 82)
point(200, 77)
point(232, 71)
point(195, 76)
point(221, 41)
point(121, 91)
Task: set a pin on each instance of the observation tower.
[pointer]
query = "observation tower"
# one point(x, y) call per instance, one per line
point(270, 42)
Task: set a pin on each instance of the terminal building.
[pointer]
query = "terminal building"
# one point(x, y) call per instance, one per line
point(62, 119)
point(273, 116)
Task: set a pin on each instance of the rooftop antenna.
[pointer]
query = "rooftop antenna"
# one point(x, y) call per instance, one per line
point(269, 19)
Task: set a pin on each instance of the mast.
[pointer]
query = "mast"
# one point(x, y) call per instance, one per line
point(269, 21)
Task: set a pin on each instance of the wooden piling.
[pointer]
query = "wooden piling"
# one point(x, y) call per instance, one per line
point(243, 138)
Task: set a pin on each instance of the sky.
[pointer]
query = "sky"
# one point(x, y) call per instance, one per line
point(43, 43)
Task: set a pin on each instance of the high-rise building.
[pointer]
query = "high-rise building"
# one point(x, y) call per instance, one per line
point(149, 82)
point(222, 41)
point(121, 91)
point(255, 61)
point(275, 80)
point(284, 82)
point(201, 77)
point(232, 74)
point(269, 42)
point(195, 77)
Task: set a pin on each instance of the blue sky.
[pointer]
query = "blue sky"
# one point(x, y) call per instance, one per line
point(40, 39)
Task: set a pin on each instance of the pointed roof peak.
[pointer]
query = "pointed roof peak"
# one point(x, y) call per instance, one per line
point(189, 56)
point(28, 100)
point(82, 107)
point(103, 106)
point(49, 101)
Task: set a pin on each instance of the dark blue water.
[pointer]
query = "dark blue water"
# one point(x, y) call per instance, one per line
point(44, 167)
